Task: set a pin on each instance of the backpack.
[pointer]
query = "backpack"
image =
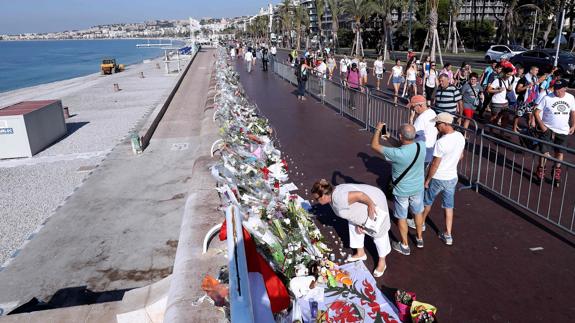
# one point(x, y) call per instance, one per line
point(510, 96)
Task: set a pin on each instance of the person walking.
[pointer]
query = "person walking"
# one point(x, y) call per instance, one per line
point(486, 79)
point(321, 72)
point(396, 77)
point(442, 174)
point(425, 131)
point(472, 94)
point(378, 70)
point(265, 58)
point(248, 58)
point(501, 89)
point(407, 169)
point(555, 116)
point(344, 65)
point(462, 75)
point(447, 97)
point(430, 82)
point(411, 80)
point(302, 72)
point(353, 82)
point(357, 203)
point(362, 65)
point(331, 65)
point(446, 70)
point(528, 88)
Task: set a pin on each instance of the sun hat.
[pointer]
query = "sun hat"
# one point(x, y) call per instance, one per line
point(443, 117)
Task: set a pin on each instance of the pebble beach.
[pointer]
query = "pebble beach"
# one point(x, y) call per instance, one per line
point(100, 118)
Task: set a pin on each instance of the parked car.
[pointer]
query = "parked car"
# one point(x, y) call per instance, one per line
point(496, 51)
point(544, 59)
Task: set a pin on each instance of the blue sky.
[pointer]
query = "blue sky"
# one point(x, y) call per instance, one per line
point(21, 16)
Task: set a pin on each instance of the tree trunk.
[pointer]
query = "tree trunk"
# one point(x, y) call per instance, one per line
point(547, 32)
point(454, 28)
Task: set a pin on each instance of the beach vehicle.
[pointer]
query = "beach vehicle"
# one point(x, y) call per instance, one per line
point(109, 66)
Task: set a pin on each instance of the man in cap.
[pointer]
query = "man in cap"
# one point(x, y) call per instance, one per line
point(555, 116)
point(442, 174)
point(425, 131)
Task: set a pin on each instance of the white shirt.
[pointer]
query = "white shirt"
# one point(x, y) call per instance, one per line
point(397, 71)
point(500, 97)
point(321, 69)
point(363, 67)
point(411, 75)
point(248, 57)
point(356, 213)
point(556, 112)
point(273, 50)
point(378, 66)
point(449, 147)
point(425, 130)
point(431, 78)
point(343, 64)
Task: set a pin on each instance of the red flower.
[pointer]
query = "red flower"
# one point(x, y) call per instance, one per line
point(266, 172)
point(277, 185)
point(285, 164)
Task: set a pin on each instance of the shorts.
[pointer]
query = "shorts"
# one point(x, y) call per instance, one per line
point(497, 108)
point(402, 203)
point(556, 138)
point(411, 82)
point(378, 76)
point(468, 113)
point(397, 80)
point(447, 190)
point(363, 73)
point(429, 92)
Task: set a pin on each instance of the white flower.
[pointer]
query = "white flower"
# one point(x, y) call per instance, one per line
point(287, 221)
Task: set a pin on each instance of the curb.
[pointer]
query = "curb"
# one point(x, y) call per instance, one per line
point(157, 114)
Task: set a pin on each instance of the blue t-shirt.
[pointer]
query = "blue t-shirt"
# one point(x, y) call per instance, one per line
point(401, 158)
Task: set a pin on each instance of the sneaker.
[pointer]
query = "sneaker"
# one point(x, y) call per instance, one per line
point(557, 176)
point(411, 224)
point(419, 243)
point(445, 238)
point(404, 250)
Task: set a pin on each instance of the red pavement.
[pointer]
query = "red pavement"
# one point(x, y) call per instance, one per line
point(488, 275)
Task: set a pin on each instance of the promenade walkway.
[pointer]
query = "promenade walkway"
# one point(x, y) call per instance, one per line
point(490, 274)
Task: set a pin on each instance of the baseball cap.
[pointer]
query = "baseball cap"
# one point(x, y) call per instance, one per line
point(559, 84)
point(417, 99)
point(443, 117)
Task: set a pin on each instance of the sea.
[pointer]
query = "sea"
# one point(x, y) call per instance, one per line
point(28, 63)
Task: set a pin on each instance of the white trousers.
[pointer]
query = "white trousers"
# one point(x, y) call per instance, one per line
point(381, 243)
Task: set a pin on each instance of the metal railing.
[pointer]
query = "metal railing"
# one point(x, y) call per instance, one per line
point(500, 166)
point(508, 170)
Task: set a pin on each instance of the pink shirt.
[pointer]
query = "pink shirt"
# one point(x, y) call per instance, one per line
point(353, 78)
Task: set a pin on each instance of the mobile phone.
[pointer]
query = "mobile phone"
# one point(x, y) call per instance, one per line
point(384, 131)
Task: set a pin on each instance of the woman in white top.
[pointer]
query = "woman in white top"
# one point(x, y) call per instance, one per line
point(363, 71)
point(411, 80)
point(378, 70)
point(430, 82)
point(355, 203)
point(397, 77)
point(331, 65)
point(344, 65)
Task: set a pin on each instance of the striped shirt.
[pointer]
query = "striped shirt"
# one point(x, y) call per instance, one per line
point(446, 99)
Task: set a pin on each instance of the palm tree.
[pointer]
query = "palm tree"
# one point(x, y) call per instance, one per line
point(336, 11)
point(359, 10)
point(384, 8)
point(455, 8)
point(301, 19)
point(320, 11)
point(432, 33)
point(511, 19)
point(286, 20)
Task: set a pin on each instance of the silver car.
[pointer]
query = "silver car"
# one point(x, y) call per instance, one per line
point(496, 52)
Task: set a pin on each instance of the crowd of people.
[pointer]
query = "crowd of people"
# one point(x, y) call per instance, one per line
point(425, 159)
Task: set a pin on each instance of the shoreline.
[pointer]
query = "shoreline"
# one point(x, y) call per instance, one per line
point(71, 79)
